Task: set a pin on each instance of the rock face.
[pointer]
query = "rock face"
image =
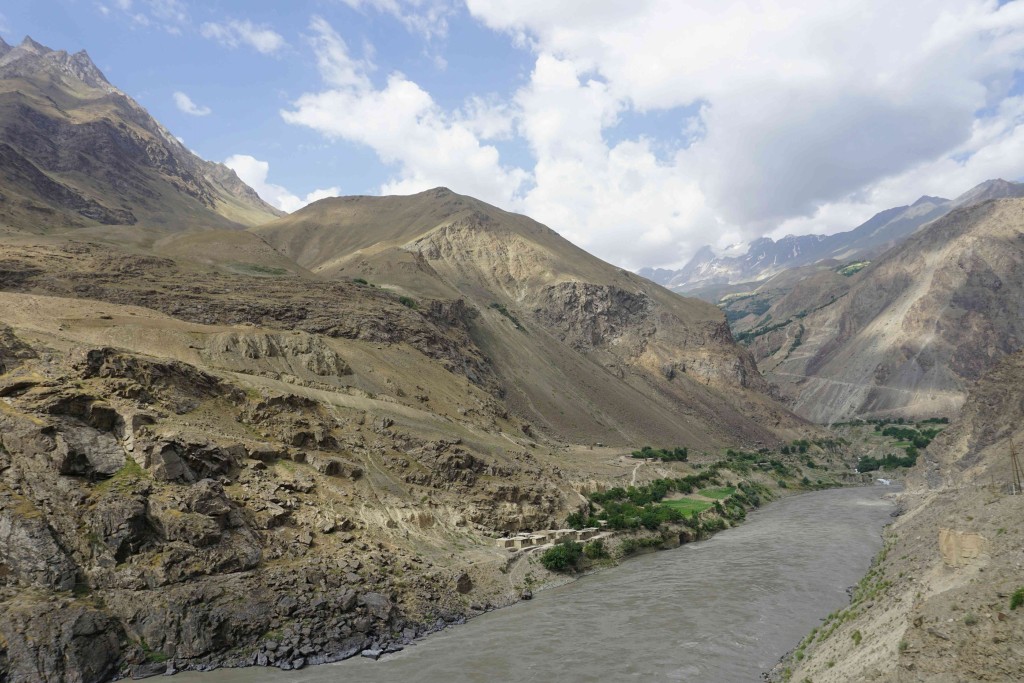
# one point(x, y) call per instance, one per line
point(890, 341)
point(76, 151)
point(154, 513)
point(295, 354)
point(936, 606)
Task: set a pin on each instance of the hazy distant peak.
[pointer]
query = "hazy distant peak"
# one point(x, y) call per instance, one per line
point(927, 199)
point(996, 188)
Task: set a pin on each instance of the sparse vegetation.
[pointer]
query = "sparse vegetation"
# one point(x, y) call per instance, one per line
point(851, 269)
point(406, 301)
point(673, 455)
point(500, 308)
point(1017, 599)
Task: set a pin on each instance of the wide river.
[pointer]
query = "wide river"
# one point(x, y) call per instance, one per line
point(721, 610)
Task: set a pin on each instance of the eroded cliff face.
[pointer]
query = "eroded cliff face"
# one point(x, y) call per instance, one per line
point(153, 511)
point(936, 606)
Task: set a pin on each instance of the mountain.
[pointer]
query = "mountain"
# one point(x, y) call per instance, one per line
point(76, 152)
point(580, 348)
point(765, 257)
point(936, 605)
point(908, 334)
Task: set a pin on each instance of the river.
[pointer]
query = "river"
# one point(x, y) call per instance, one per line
point(721, 610)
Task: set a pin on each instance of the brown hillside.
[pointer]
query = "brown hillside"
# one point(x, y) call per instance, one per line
point(585, 350)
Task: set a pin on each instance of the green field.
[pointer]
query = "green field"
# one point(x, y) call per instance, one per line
point(718, 493)
point(688, 506)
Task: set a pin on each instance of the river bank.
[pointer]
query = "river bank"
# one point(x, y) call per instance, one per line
point(721, 609)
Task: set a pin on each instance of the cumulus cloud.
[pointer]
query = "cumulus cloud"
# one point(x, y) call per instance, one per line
point(254, 173)
point(792, 115)
point(403, 125)
point(186, 105)
point(807, 109)
point(234, 33)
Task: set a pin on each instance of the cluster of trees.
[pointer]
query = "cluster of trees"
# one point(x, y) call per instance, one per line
point(919, 439)
point(636, 507)
point(889, 462)
point(568, 554)
point(673, 455)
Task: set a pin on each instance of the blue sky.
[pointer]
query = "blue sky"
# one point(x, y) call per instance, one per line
point(640, 130)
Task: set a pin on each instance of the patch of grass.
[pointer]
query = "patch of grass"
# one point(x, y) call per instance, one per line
point(124, 478)
point(408, 302)
point(1017, 599)
point(688, 506)
point(718, 493)
point(851, 269)
point(970, 620)
point(857, 637)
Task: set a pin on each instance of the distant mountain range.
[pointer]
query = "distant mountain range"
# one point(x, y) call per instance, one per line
point(766, 257)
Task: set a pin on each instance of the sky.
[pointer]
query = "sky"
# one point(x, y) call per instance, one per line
point(641, 130)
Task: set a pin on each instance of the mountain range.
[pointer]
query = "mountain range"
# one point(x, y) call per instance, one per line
point(765, 257)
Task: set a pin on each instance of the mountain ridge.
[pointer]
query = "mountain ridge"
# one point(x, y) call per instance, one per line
point(766, 257)
point(114, 164)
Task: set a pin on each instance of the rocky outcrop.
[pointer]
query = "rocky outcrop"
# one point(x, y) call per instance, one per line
point(295, 354)
point(590, 315)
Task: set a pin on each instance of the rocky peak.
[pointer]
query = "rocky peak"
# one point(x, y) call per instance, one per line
point(32, 46)
point(31, 58)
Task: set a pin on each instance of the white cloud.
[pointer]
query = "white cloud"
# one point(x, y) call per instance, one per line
point(403, 125)
point(186, 105)
point(787, 115)
point(428, 18)
point(254, 172)
point(808, 111)
point(233, 33)
point(170, 15)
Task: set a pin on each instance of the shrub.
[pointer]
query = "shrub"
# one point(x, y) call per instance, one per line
point(1017, 599)
point(857, 637)
point(563, 556)
point(595, 550)
point(406, 301)
point(576, 520)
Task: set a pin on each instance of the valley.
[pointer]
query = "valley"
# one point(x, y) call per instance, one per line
point(235, 437)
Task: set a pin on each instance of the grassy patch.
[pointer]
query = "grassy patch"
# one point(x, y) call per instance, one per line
point(688, 506)
point(122, 479)
point(718, 493)
point(852, 268)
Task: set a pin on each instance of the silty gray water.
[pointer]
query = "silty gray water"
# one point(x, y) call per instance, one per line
point(721, 610)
